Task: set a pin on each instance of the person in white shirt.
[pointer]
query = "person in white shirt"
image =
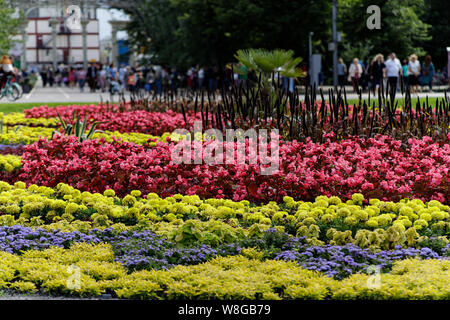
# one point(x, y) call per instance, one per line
point(122, 75)
point(102, 77)
point(413, 73)
point(201, 77)
point(393, 69)
point(354, 73)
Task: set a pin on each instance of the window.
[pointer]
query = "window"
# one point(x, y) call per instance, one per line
point(33, 13)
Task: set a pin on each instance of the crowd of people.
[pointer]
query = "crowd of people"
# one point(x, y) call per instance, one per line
point(391, 72)
point(95, 77)
point(130, 78)
point(153, 78)
point(109, 77)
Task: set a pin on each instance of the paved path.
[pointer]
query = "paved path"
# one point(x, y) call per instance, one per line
point(63, 94)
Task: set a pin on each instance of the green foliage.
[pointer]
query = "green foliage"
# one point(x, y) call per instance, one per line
point(269, 61)
point(436, 14)
point(10, 25)
point(212, 233)
point(186, 32)
point(79, 128)
point(434, 243)
point(237, 277)
point(153, 28)
point(402, 28)
point(362, 51)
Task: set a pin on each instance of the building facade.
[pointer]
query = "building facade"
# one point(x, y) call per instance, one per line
point(69, 47)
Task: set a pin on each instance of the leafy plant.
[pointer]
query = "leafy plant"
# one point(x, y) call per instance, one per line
point(79, 128)
point(270, 61)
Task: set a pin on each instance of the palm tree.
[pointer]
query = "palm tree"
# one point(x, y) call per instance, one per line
point(267, 62)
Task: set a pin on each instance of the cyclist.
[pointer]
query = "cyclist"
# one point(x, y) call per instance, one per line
point(6, 70)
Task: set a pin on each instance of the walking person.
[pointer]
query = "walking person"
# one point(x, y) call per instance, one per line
point(150, 80)
point(65, 75)
point(58, 78)
point(158, 79)
point(201, 77)
point(81, 78)
point(112, 75)
point(102, 78)
point(44, 75)
point(131, 79)
point(413, 73)
point(122, 76)
point(427, 73)
point(91, 77)
point(51, 78)
point(393, 71)
point(354, 74)
point(227, 78)
point(364, 76)
point(342, 71)
point(405, 74)
point(7, 70)
point(376, 72)
point(71, 79)
point(195, 79)
point(243, 76)
point(165, 79)
point(439, 78)
point(140, 84)
point(112, 72)
point(190, 77)
point(174, 79)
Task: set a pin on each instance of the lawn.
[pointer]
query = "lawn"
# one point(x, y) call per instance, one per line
point(19, 107)
point(401, 101)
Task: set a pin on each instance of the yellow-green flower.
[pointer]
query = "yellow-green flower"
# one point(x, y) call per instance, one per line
point(109, 193)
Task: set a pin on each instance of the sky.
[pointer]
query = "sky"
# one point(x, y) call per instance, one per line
point(103, 16)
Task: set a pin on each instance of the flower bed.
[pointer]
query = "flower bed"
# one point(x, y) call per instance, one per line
point(165, 233)
point(137, 224)
point(17, 118)
point(27, 135)
point(155, 123)
point(378, 168)
point(222, 278)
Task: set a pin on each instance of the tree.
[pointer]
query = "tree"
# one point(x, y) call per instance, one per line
point(436, 14)
point(362, 51)
point(402, 29)
point(9, 25)
point(268, 62)
point(153, 28)
point(186, 32)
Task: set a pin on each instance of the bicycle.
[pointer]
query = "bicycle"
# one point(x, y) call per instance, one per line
point(12, 90)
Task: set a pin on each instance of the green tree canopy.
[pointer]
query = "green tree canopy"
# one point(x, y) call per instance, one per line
point(186, 32)
point(436, 14)
point(9, 26)
point(402, 29)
